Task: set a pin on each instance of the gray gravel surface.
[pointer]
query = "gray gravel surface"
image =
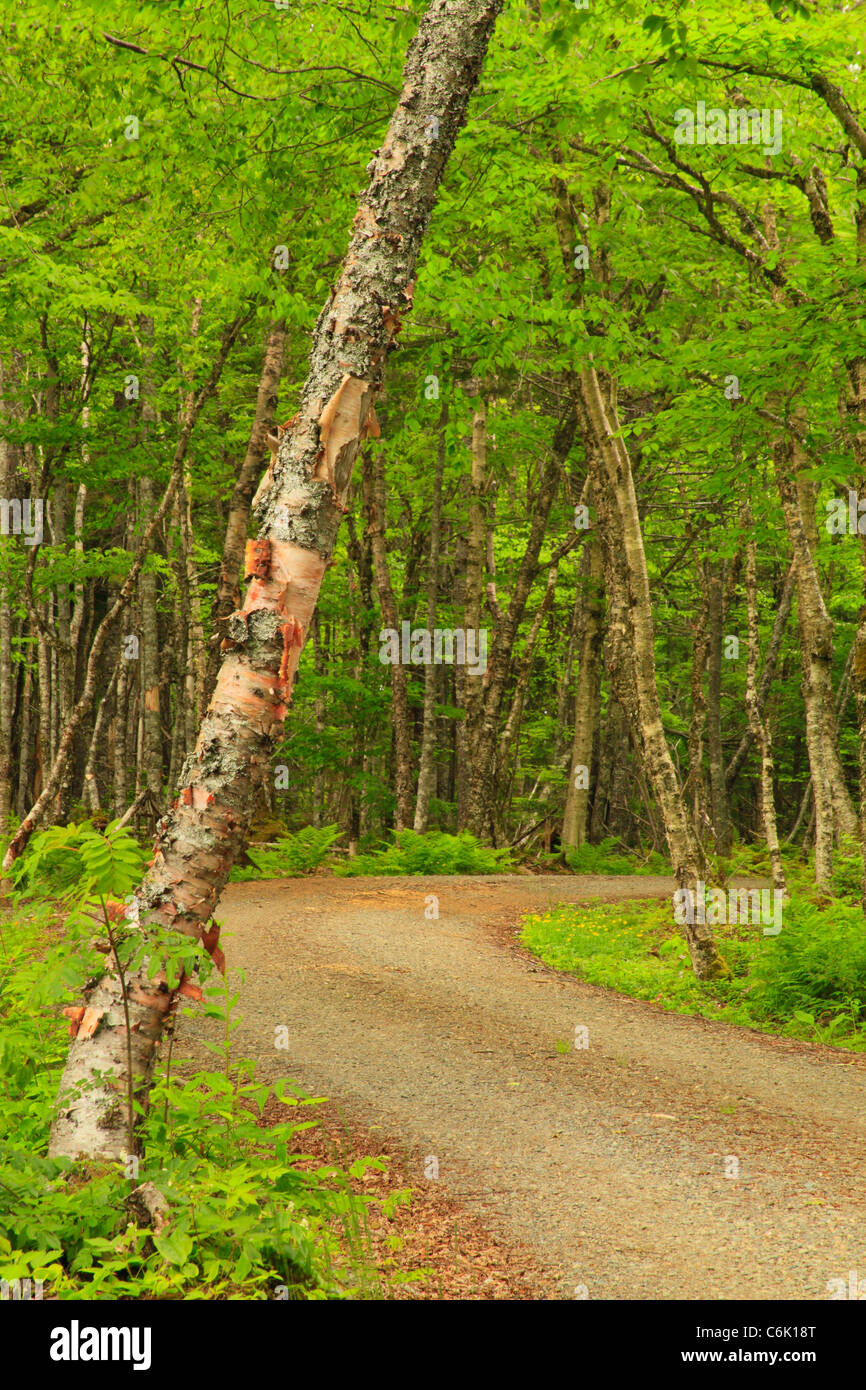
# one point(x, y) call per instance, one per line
point(609, 1162)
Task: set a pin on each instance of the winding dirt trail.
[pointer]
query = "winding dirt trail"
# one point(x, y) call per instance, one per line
point(608, 1162)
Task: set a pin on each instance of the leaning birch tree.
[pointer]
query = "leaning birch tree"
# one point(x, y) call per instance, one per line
point(299, 505)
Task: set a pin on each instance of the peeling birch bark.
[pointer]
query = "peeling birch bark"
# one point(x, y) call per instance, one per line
point(228, 596)
point(198, 840)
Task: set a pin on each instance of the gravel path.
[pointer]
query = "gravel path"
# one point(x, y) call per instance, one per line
point(608, 1162)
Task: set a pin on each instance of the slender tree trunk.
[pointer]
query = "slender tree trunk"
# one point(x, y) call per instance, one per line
point(427, 763)
point(52, 779)
point(373, 475)
point(121, 715)
point(613, 489)
point(183, 655)
point(148, 663)
point(203, 832)
point(97, 743)
point(768, 674)
point(564, 704)
point(319, 711)
point(482, 773)
point(54, 691)
point(686, 853)
point(613, 733)
point(695, 786)
point(178, 748)
point(469, 687)
point(856, 369)
point(511, 731)
point(816, 653)
point(362, 621)
point(715, 761)
point(834, 813)
point(44, 757)
point(759, 726)
point(7, 679)
point(859, 680)
point(575, 821)
point(62, 612)
point(25, 760)
point(197, 643)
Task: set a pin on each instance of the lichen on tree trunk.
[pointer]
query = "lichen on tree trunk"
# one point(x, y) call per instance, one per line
point(299, 511)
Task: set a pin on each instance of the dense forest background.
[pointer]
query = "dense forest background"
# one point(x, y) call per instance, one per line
point(177, 182)
point(432, 444)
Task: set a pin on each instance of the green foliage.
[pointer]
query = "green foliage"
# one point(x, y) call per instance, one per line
point(433, 853)
point(248, 1215)
point(847, 877)
point(291, 856)
point(604, 859)
point(754, 861)
point(79, 859)
point(807, 982)
point(817, 963)
point(88, 872)
point(241, 138)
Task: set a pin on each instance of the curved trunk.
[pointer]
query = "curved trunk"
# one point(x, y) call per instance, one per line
point(228, 594)
point(611, 458)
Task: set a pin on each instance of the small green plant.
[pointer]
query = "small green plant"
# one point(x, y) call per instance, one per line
point(433, 853)
point(838, 1027)
point(847, 875)
point(243, 1213)
point(816, 966)
point(291, 857)
point(607, 857)
point(807, 982)
point(71, 860)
